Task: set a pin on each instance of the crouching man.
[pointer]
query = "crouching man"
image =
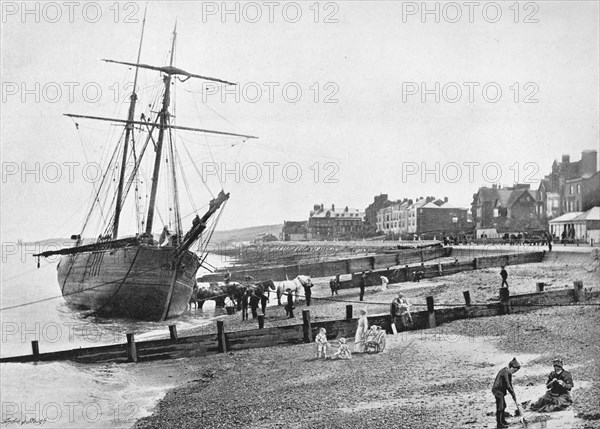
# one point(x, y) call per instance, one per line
point(503, 384)
point(559, 385)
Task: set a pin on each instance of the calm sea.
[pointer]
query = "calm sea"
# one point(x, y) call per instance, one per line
point(64, 394)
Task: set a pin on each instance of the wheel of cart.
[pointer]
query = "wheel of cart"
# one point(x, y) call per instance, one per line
point(375, 339)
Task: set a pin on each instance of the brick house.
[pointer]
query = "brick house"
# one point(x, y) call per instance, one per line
point(328, 224)
point(379, 202)
point(435, 218)
point(570, 186)
point(509, 208)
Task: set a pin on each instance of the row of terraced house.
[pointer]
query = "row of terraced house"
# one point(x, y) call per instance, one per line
point(566, 202)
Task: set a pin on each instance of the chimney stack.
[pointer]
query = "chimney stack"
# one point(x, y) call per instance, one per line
point(566, 159)
point(588, 162)
point(333, 207)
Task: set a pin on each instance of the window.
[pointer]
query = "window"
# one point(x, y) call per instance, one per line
point(579, 189)
point(571, 190)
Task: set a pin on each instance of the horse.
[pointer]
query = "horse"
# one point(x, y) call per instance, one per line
point(219, 290)
point(295, 285)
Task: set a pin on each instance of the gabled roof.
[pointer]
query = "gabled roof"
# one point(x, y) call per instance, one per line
point(567, 217)
point(504, 197)
point(487, 195)
point(591, 214)
point(508, 197)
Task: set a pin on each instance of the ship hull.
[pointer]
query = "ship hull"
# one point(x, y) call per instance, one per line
point(137, 282)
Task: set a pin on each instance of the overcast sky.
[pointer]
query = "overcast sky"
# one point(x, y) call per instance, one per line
point(504, 99)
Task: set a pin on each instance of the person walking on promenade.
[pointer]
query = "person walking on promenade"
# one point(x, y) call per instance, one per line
point(503, 384)
point(361, 332)
point(504, 276)
point(549, 241)
point(363, 284)
point(289, 308)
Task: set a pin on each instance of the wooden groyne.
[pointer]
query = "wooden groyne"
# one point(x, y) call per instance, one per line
point(332, 268)
point(425, 271)
point(221, 342)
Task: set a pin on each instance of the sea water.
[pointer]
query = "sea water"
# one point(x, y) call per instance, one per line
point(66, 394)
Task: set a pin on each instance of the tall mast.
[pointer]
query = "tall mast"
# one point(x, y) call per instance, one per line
point(164, 119)
point(128, 131)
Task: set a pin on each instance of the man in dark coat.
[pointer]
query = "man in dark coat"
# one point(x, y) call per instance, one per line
point(245, 305)
point(307, 292)
point(263, 302)
point(549, 241)
point(289, 308)
point(559, 385)
point(503, 384)
point(504, 276)
point(363, 284)
point(254, 303)
point(333, 285)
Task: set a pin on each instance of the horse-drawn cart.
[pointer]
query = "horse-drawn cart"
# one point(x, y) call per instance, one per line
point(375, 339)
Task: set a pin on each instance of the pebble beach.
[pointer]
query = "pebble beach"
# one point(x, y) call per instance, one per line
point(430, 378)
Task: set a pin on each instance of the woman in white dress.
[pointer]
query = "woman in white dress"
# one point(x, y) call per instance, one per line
point(361, 332)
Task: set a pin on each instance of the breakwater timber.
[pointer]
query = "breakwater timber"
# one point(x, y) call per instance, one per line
point(332, 268)
point(223, 341)
point(425, 271)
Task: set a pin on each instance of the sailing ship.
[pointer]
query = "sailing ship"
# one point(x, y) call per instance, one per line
point(137, 276)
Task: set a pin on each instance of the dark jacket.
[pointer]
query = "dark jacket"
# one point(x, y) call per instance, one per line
point(557, 388)
point(504, 274)
point(503, 383)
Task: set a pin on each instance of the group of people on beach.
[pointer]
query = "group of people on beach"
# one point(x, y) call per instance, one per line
point(556, 398)
point(343, 351)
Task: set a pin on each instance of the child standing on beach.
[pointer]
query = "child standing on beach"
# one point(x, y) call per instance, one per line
point(322, 344)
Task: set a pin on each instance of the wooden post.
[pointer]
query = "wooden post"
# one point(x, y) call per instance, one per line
point(131, 348)
point(35, 348)
point(173, 332)
point(475, 263)
point(504, 300)
point(467, 296)
point(431, 312)
point(349, 311)
point(539, 287)
point(261, 321)
point(306, 330)
point(422, 258)
point(222, 345)
point(578, 292)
